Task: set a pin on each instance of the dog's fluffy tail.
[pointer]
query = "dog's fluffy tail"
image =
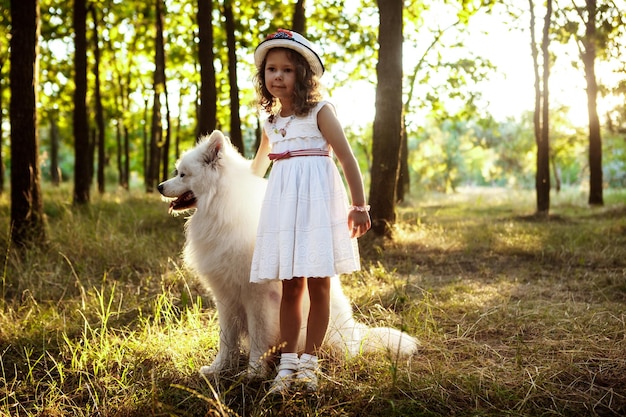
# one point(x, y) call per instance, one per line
point(347, 335)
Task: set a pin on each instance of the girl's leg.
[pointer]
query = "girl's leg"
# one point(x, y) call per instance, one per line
point(317, 324)
point(319, 313)
point(291, 313)
point(290, 323)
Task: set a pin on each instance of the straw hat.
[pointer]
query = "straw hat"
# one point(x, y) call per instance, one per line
point(289, 39)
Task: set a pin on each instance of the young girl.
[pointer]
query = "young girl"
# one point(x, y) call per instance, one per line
point(307, 232)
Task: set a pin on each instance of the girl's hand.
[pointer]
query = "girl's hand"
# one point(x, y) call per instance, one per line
point(359, 223)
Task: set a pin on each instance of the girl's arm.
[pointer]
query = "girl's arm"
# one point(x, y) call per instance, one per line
point(358, 221)
point(261, 162)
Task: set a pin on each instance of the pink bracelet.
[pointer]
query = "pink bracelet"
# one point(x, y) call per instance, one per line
point(362, 209)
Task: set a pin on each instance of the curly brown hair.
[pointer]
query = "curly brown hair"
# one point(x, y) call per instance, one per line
point(306, 90)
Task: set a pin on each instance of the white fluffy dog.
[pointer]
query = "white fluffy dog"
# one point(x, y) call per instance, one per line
point(216, 181)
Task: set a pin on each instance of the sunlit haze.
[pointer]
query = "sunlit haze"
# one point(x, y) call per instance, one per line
point(509, 91)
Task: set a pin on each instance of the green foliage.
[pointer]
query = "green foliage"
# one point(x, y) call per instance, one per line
point(614, 162)
point(447, 154)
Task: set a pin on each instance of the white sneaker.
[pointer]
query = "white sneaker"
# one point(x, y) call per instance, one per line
point(307, 372)
point(286, 374)
point(281, 384)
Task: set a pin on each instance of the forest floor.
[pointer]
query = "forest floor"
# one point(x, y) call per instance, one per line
point(516, 315)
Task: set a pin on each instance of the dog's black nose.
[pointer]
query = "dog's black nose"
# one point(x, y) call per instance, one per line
point(160, 188)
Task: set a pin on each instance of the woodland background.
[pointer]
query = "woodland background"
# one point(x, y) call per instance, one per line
point(123, 87)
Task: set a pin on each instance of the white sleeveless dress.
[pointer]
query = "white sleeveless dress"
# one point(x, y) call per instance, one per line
point(303, 227)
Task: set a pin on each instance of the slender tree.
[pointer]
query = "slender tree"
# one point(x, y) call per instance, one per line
point(98, 101)
point(55, 171)
point(82, 168)
point(27, 219)
point(5, 16)
point(541, 120)
point(207, 117)
point(299, 17)
point(542, 177)
point(157, 140)
point(588, 55)
point(235, 120)
point(1, 117)
point(387, 133)
point(535, 56)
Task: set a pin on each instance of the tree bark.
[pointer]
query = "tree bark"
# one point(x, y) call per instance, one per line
point(403, 185)
point(82, 170)
point(387, 134)
point(236, 137)
point(98, 99)
point(299, 17)
point(145, 143)
point(207, 116)
point(535, 56)
point(595, 139)
point(27, 218)
point(542, 178)
point(165, 145)
point(55, 171)
point(2, 170)
point(156, 135)
point(126, 177)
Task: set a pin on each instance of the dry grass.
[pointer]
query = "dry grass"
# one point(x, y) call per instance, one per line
point(517, 316)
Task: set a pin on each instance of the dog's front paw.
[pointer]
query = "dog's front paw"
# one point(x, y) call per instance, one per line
point(258, 370)
point(209, 371)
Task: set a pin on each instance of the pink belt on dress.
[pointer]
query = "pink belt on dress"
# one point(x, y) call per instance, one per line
point(301, 152)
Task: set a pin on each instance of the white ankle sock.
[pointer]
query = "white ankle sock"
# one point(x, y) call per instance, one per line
point(288, 364)
point(308, 361)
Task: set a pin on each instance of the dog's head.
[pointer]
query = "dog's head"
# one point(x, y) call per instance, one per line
point(197, 172)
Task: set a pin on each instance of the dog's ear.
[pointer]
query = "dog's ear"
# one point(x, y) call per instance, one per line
point(216, 142)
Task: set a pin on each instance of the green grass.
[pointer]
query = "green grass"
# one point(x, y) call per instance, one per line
point(517, 316)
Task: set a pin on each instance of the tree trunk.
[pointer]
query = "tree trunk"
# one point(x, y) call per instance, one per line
point(165, 145)
point(542, 179)
point(93, 134)
point(119, 147)
point(82, 171)
point(145, 139)
point(125, 100)
point(235, 120)
point(179, 122)
point(126, 179)
point(595, 138)
point(207, 117)
point(2, 171)
point(299, 17)
point(403, 186)
point(156, 136)
point(535, 56)
point(98, 99)
point(55, 171)
point(555, 172)
point(387, 133)
point(27, 218)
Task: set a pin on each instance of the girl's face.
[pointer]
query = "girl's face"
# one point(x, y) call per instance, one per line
point(280, 74)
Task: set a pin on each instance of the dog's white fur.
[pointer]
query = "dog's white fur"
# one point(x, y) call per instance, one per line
point(216, 181)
